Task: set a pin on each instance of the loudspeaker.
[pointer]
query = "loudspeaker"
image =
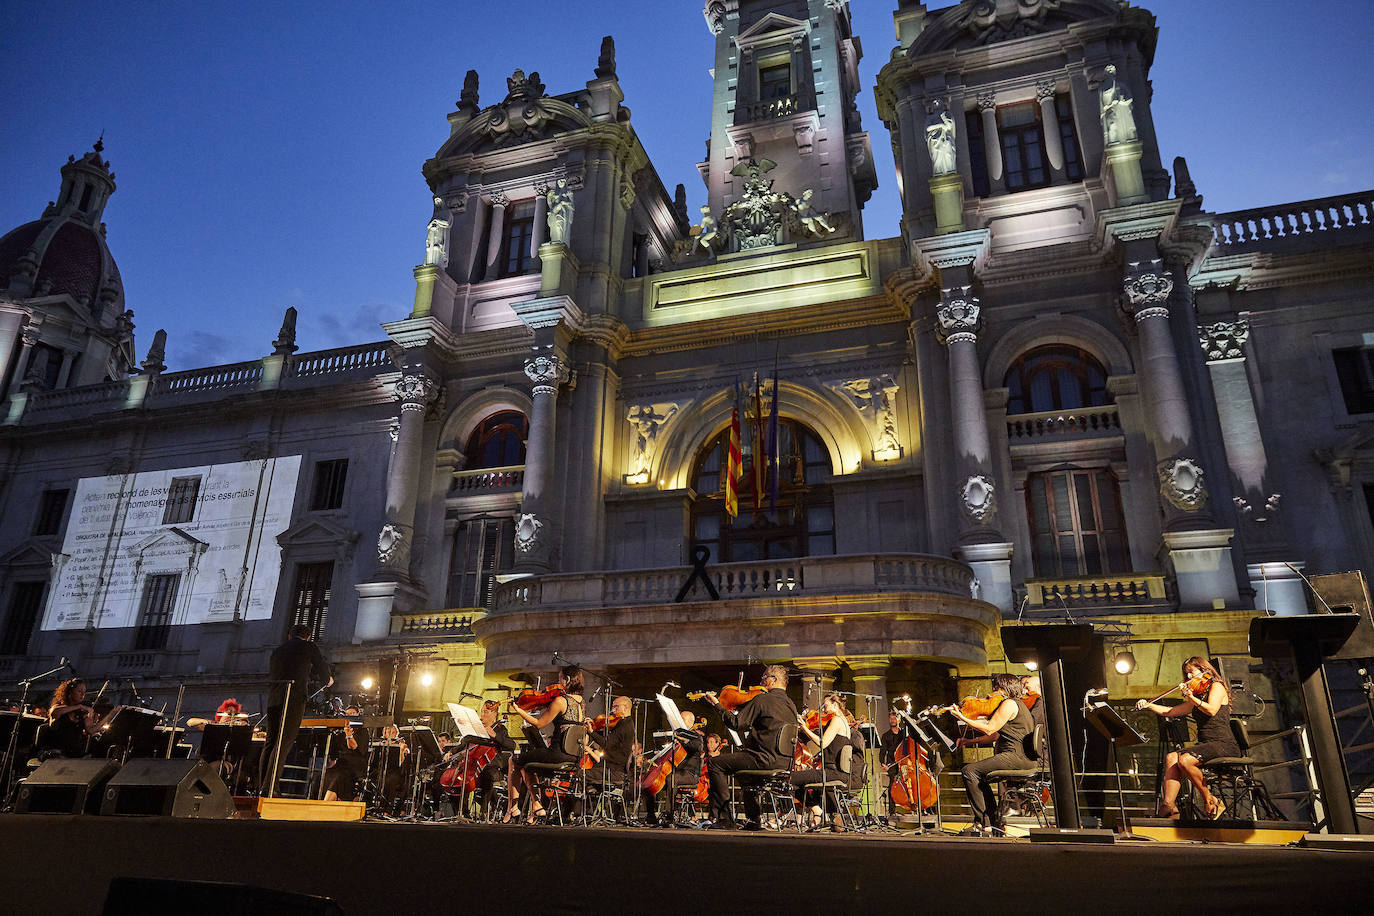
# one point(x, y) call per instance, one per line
point(1347, 593)
point(1236, 673)
point(61, 786)
point(175, 788)
point(140, 896)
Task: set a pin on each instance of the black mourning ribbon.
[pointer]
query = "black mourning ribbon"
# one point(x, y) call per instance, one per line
point(700, 555)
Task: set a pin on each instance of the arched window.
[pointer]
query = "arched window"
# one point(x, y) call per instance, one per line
point(1077, 527)
point(497, 442)
point(801, 524)
point(1055, 377)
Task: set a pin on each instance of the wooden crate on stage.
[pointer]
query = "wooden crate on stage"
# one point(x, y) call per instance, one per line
point(304, 809)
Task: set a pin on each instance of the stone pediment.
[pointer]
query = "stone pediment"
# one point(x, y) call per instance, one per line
point(168, 537)
point(769, 26)
point(976, 23)
point(314, 532)
point(27, 553)
point(525, 115)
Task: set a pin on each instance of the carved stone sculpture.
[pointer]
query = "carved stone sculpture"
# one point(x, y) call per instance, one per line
point(816, 222)
point(415, 392)
point(978, 496)
point(546, 371)
point(436, 239)
point(1180, 483)
point(389, 542)
point(710, 229)
point(527, 530)
point(560, 200)
point(1118, 121)
point(605, 64)
point(1224, 339)
point(1147, 287)
point(467, 99)
point(959, 315)
point(285, 344)
point(647, 421)
point(876, 398)
point(157, 354)
point(940, 139)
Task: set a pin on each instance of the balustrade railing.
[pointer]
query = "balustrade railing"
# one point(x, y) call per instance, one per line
point(488, 480)
point(87, 395)
point(451, 624)
point(211, 378)
point(1064, 424)
point(768, 109)
point(343, 359)
point(134, 661)
point(1288, 221)
point(1105, 590)
point(769, 579)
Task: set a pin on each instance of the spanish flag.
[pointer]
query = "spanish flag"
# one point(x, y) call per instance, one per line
point(734, 462)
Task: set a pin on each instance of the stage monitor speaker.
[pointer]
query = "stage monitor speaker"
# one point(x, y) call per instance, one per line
point(1063, 835)
point(1347, 593)
point(170, 788)
point(62, 786)
point(1236, 673)
point(141, 896)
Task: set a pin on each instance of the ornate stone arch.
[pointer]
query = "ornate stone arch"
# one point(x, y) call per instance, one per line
point(840, 429)
point(474, 408)
point(1081, 332)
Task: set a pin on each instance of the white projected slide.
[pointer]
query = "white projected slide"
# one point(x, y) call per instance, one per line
point(188, 545)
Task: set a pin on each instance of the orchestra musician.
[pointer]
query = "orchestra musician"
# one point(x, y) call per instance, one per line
point(760, 722)
point(392, 770)
point(342, 776)
point(295, 661)
point(888, 744)
point(834, 736)
point(685, 774)
point(490, 715)
point(1008, 730)
point(71, 723)
point(714, 744)
point(1206, 698)
point(615, 742)
point(563, 713)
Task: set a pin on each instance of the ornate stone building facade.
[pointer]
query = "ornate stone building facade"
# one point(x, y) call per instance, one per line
point(1063, 387)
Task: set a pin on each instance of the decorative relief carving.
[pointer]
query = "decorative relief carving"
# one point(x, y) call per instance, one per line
point(389, 543)
point(546, 370)
point(987, 100)
point(978, 496)
point(875, 399)
point(992, 21)
point(646, 422)
point(1181, 484)
point(415, 392)
point(523, 112)
point(958, 316)
point(1147, 287)
point(1247, 511)
point(1224, 339)
point(760, 218)
point(527, 530)
point(1045, 89)
point(496, 199)
point(715, 16)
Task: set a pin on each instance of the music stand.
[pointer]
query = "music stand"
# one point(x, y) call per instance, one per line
point(1119, 732)
point(132, 727)
point(926, 733)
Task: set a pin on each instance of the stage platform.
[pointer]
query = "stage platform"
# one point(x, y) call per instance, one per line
point(384, 868)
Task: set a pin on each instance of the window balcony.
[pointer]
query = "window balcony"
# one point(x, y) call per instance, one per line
point(882, 605)
point(478, 482)
point(1107, 592)
point(453, 625)
point(771, 109)
point(1063, 425)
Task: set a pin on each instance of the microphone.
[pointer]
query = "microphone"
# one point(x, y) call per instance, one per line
point(554, 660)
point(672, 684)
point(65, 662)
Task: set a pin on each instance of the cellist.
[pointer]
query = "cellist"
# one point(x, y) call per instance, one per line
point(760, 723)
point(685, 774)
point(1008, 729)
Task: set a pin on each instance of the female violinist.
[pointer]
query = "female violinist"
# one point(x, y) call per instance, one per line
point(563, 712)
point(71, 722)
point(1008, 727)
point(1204, 696)
point(342, 776)
point(835, 734)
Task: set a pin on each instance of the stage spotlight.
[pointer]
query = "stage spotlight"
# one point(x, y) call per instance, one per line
point(1124, 662)
point(426, 679)
point(367, 683)
point(1032, 666)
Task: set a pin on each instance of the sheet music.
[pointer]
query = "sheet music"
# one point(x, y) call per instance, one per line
point(671, 711)
point(468, 722)
point(735, 739)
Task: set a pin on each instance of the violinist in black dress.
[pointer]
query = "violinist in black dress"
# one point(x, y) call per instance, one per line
point(1010, 729)
point(1206, 698)
point(71, 723)
point(760, 723)
point(563, 713)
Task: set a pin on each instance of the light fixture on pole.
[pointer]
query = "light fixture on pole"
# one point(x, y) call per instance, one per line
point(1124, 661)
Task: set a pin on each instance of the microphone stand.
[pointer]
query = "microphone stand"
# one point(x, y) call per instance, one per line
point(12, 745)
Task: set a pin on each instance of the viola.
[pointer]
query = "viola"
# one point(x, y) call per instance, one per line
point(976, 707)
point(530, 699)
point(1030, 699)
point(730, 696)
point(913, 784)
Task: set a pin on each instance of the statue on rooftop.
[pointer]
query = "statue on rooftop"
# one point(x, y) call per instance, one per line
point(1118, 122)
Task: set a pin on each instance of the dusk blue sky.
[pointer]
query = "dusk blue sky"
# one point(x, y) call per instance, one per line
point(268, 154)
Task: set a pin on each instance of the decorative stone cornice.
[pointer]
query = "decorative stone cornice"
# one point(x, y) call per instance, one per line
point(954, 249)
point(958, 316)
point(1224, 339)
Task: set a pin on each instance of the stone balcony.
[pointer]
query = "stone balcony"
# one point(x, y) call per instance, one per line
point(1322, 222)
point(866, 605)
point(488, 480)
point(1061, 425)
point(1109, 592)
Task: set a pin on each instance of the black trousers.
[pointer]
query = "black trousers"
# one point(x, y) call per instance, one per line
point(679, 780)
point(980, 796)
point(278, 731)
point(718, 772)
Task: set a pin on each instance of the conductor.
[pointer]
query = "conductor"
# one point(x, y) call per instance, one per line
point(292, 664)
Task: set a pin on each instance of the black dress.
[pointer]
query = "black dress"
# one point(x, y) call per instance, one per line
point(1213, 735)
point(67, 735)
point(574, 714)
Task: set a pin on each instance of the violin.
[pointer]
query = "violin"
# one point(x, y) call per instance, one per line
point(730, 697)
point(605, 720)
point(974, 707)
point(530, 699)
point(803, 755)
point(1198, 686)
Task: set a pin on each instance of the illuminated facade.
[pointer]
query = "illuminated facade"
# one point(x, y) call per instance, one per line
point(1064, 385)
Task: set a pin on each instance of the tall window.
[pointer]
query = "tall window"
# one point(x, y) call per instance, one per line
point(1023, 146)
point(497, 442)
point(310, 596)
point(519, 235)
point(1068, 138)
point(1076, 523)
point(978, 157)
point(330, 477)
point(484, 546)
point(803, 522)
point(1355, 372)
point(51, 506)
point(775, 82)
point(25, 600)
point(181, 500)
point(1055, 378)
point(155, 613)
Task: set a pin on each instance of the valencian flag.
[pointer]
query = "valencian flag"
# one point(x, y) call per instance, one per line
point(734, 461)
point(759, 447)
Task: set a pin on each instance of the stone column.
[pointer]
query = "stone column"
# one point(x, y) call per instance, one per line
point(992, 143)
point(870, 677)
point(497, 202)
point(817, 679)
point(537, 530)
point(28, 339)
point(1049, 120)
point(415, 392)
point(541, 220)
